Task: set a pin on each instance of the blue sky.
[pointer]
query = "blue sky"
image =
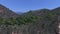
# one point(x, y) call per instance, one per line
point(25, 5)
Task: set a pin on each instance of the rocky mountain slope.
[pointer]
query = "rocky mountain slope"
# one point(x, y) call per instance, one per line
point(42, 21)
point(6, 12)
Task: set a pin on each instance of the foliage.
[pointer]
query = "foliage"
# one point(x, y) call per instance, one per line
point(29, 17)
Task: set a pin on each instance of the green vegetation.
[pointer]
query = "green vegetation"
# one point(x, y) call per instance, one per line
point(42, 21)
point(30, 17)
point(24, 19)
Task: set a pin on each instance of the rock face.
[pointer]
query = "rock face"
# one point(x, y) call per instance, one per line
point(7, 13)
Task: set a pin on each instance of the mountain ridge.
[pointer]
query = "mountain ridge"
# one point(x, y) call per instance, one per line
point(43, 21)
point(6, 12)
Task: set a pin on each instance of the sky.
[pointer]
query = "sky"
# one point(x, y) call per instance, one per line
point(26, 5)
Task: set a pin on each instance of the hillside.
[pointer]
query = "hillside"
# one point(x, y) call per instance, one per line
point(42, 21)
point(6, 12)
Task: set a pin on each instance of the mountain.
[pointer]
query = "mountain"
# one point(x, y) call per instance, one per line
point(19, 13)
point(42, 21)
point(6, 12)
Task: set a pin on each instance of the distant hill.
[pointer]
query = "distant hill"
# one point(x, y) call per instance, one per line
point(43, 21)
point(19, 13)
point(6, 12)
